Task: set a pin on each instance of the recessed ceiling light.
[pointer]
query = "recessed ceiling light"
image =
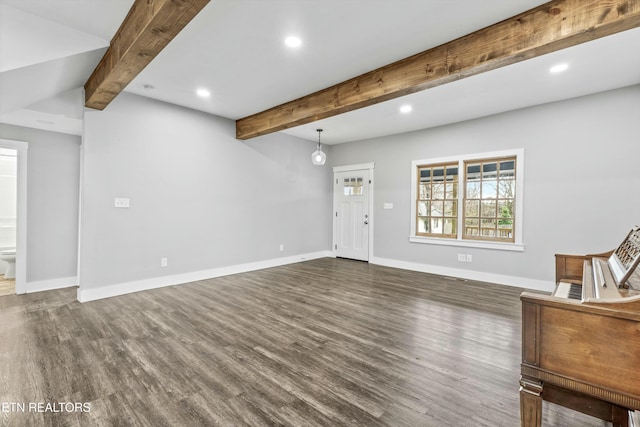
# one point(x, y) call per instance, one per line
point(406, 109)
point(293, 41)
point(559, 68)
point(203, 93)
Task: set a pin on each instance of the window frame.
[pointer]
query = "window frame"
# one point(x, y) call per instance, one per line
point(443, 216)
point(498, 161)
point(459, 240)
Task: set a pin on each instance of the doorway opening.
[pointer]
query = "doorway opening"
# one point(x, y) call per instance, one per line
point(13, 217)
point(353, 211)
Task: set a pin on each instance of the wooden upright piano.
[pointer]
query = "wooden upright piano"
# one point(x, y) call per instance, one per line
point(581, 345)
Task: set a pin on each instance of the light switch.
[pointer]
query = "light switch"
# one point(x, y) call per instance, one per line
point(121, 202)
point(387, 206)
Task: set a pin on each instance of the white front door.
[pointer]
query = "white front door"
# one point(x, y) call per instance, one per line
point(351, 202)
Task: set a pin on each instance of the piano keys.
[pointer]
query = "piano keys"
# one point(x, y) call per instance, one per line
point(581, 345)
point(568, 290)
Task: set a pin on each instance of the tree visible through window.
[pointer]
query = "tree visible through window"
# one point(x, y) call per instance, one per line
point(489, 199)
point(438, 200)
point(470, 198)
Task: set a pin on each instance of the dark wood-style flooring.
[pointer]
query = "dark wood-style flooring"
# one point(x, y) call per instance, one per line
point(328, 342)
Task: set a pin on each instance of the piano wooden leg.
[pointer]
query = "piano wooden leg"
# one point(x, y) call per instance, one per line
point(619, 416)
point(530, 402)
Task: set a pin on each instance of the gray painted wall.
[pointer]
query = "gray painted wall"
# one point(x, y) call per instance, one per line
point(203, 200)
point(52, 201)
point(582, 186)
point(199, 197)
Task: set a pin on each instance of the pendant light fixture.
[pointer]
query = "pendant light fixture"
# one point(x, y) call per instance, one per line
point(318, 158)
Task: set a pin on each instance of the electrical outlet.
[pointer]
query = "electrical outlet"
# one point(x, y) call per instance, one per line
point(469, 258)
point(462, 258)
point(163, 262)
point(281, 247)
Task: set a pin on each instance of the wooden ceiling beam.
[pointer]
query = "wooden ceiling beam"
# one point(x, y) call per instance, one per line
point(149, 26)
point(550, 27)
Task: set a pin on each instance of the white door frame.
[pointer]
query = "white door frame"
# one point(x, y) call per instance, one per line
point(351, 168)
point(21, 212)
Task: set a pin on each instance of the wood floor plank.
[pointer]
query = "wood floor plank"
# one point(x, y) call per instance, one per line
point(7, 286)
point(329, 342)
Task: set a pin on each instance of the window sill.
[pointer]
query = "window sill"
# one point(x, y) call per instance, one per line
point(517, 247)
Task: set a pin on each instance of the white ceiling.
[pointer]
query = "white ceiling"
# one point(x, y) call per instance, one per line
point(48, 49)
point(235, 49)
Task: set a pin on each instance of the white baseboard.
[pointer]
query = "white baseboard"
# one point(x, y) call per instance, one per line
point(51, 284)
point(85, 295)
point(519, 282)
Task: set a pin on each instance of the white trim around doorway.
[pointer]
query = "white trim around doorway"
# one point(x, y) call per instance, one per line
point(349, 168)
point(21, 212)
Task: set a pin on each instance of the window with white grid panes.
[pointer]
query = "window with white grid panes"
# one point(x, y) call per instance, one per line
point(352, 186)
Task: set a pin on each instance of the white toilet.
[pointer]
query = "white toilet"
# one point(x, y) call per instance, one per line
point(9, 256)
